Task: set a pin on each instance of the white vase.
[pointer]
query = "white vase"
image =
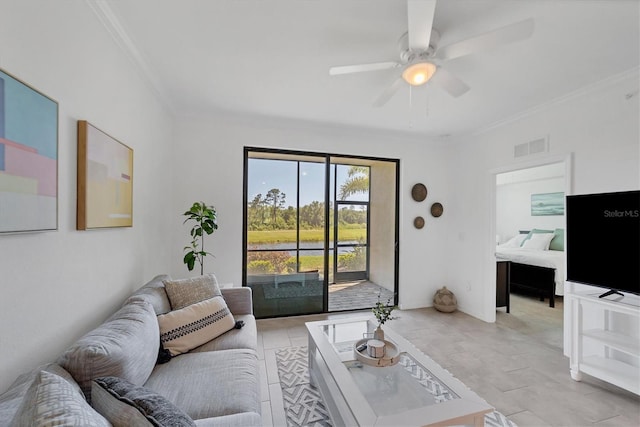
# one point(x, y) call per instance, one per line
point(378, 334)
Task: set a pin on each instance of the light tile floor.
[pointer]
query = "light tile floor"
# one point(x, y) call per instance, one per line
point(516, 364)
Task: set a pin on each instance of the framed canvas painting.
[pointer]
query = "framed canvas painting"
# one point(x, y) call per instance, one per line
point(105, 180)
point(547, 204)
point(28, 158)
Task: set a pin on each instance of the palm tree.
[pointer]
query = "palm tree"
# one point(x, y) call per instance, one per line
point(358, 182)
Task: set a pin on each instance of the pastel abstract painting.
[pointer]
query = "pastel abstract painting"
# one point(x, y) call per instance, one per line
point(28, 158)
point(105, 180)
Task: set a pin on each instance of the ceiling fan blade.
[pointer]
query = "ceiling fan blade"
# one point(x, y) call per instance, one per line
point(420, 14)
point(509, 34)
point(449, 82)
point(388, 92)
point(348, 69)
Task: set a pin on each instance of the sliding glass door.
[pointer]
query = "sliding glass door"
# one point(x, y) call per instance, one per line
point(307, 225)
point(285, 233)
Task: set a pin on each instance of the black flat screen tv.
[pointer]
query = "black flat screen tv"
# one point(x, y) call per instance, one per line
point(603, 240)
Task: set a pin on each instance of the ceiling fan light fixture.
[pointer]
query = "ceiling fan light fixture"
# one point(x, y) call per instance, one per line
point(418, 74)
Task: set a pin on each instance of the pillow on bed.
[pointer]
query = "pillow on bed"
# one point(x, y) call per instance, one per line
point(514, 242)
point(535, 231)
point(538, 241)
point(557, 243)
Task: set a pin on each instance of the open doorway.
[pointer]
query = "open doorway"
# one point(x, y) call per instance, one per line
point(530, 260)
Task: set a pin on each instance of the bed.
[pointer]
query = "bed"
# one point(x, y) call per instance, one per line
point(534, 267)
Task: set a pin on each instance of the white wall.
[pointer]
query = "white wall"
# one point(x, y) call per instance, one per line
point(215, 145)
point(599, 127)
point(382, 206)
point(58, 285)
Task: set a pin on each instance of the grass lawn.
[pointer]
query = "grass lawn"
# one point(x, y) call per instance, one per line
point(312, 262)
point(289, 236)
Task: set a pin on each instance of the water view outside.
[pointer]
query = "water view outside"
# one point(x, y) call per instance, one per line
point(286, 216)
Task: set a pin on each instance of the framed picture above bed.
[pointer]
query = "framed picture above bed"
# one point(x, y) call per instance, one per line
point(545, 204)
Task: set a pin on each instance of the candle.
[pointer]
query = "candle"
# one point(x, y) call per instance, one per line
point(375, 348)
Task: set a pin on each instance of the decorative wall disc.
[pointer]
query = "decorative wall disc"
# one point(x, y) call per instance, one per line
point(418, 222)
point(419, 192)
point(436, 209)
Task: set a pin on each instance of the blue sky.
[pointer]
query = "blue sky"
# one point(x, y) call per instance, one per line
point(265, 174)
point(281, 174)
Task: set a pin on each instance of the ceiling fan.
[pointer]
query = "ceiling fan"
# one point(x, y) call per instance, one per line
point(421, 58)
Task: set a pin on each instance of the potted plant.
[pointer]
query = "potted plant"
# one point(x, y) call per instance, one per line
point(382, 313)
point(205, 221)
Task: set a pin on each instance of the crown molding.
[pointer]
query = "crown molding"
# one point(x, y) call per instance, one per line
point(585, 90)
point(112, 24)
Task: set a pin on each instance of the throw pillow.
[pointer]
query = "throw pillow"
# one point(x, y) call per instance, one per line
point(53, 401)
point(538, 241)
point(125, 404)
point(185, 329)
point(184, 292)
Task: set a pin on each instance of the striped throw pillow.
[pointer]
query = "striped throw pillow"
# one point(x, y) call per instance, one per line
point(190, 327)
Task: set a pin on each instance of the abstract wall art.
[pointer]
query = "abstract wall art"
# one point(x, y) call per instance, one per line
point(28, 158)
point(105, 180)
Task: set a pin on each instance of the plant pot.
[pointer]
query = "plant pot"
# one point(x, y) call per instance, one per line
point(378, 334)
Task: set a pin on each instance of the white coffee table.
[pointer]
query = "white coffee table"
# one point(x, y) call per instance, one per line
point(414, 392)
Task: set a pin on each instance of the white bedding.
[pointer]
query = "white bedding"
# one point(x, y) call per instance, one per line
point(549, 259)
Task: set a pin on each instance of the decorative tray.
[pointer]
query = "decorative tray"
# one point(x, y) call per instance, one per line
point(390, 358)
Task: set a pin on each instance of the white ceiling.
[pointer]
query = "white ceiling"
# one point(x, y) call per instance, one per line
point(271, 58)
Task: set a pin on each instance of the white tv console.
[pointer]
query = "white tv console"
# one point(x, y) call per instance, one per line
point(598, 348)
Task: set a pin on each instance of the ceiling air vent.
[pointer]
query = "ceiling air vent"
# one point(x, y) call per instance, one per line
point(532, 147)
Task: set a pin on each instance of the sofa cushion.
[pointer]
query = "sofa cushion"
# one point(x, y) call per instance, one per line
point(51, 401)
point(125, 345)
point(210, 384)
point(125, 404)
point(184, 292)
point(239, 300)
point(154, 293)
point(245, 337)
point(187, 328)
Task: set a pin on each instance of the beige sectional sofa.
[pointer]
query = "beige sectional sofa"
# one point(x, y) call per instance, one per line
point(111, 376)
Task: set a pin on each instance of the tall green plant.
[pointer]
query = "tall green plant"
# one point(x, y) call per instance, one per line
point(205, 221)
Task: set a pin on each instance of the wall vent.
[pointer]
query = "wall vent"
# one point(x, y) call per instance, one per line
point(536, 146)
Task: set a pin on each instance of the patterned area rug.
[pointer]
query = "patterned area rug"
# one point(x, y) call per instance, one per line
point(303, 403)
